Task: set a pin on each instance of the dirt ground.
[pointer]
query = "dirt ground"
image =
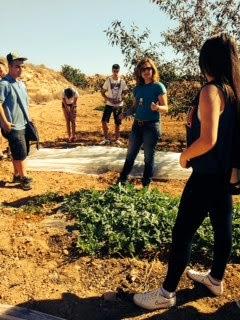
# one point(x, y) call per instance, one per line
point(38, 266)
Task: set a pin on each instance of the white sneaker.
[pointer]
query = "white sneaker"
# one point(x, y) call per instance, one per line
point(104, 142)
point(238, 303)
point(206, 279)
point(154, 300)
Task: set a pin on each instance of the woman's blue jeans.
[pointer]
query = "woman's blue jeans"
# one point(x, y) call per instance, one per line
point(144, 133)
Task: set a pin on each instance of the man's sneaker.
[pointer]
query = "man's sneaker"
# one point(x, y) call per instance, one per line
point(16, 179)
point(238, 303)
point(26, 183)
point(104, 142)
point(216, 287)
point(155, 299)
point(118, 142)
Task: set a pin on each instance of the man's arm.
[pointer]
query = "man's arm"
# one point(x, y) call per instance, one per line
point(103, 92)
point(7, 126)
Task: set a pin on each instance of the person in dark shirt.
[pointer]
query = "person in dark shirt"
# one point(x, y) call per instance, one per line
point(211, 154)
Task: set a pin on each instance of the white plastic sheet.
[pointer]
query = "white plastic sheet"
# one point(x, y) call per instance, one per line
point(101, 159)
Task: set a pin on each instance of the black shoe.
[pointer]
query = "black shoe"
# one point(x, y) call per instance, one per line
point(16, 179)
point(26, 183)
point(146, 184)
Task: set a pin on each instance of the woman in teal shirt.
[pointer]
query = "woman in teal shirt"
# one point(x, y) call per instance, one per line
point(150, 97)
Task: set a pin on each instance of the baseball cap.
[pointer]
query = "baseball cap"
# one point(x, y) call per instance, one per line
point(14, 56)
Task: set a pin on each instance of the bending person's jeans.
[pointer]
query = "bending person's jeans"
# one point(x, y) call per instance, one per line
point(144, 133)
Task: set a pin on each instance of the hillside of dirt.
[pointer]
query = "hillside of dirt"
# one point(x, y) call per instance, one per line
point(39, 266)
point(43, 84)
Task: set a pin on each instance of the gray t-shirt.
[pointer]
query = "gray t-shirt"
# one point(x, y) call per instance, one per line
point(8, 99)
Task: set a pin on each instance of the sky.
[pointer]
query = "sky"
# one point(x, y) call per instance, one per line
point(55, 32)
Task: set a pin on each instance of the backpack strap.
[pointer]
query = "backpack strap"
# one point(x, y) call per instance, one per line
point(20, 103)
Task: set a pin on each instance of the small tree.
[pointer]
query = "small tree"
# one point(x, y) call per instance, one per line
point(197, 20)
point(133, 45)
point(75, 76)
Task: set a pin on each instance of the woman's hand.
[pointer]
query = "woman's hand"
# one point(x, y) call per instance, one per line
point(155, 107)
point(184, 161)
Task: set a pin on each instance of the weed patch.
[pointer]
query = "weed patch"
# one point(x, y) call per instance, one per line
point(128, 222)
point(124, 221)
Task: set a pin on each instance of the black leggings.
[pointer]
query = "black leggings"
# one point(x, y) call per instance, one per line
point(202, 194)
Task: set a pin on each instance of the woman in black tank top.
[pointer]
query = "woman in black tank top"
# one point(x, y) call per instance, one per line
point(212, 141)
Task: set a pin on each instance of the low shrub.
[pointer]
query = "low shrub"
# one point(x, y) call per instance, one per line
point(181, 96)
point(128, 222)
point(74, 76)
point(123, 221)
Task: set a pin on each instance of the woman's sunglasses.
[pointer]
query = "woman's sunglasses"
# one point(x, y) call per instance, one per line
point(146, 69)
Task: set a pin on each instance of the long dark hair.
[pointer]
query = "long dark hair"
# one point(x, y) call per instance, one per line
point(219, 58)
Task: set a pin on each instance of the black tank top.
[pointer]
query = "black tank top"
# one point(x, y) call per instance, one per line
point(219, 160)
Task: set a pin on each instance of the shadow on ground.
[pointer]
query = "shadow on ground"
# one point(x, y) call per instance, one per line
point(83, 139)
point(94, 138)
point(71, 307)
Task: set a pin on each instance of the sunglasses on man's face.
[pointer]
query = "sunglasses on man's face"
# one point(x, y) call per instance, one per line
point(146, 69)
point(18, 66)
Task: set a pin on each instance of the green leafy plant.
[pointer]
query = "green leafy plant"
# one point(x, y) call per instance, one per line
point(128, 222)
point(75, 76)
point(123, 221)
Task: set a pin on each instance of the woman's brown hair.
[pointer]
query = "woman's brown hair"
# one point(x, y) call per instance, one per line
point(138, 71)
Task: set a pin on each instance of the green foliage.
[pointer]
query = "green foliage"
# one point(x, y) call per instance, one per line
point(186, 37)
point(75, 76)
point(236, 231)
point(96, 82)
point(121, 220)
point(191, 19)
point(181, 95)
point(133, 45)
point(168, 73)
point(128, 222)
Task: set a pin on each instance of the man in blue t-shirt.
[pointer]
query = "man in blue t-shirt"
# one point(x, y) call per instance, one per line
point(3, 72)
point(12, 118)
